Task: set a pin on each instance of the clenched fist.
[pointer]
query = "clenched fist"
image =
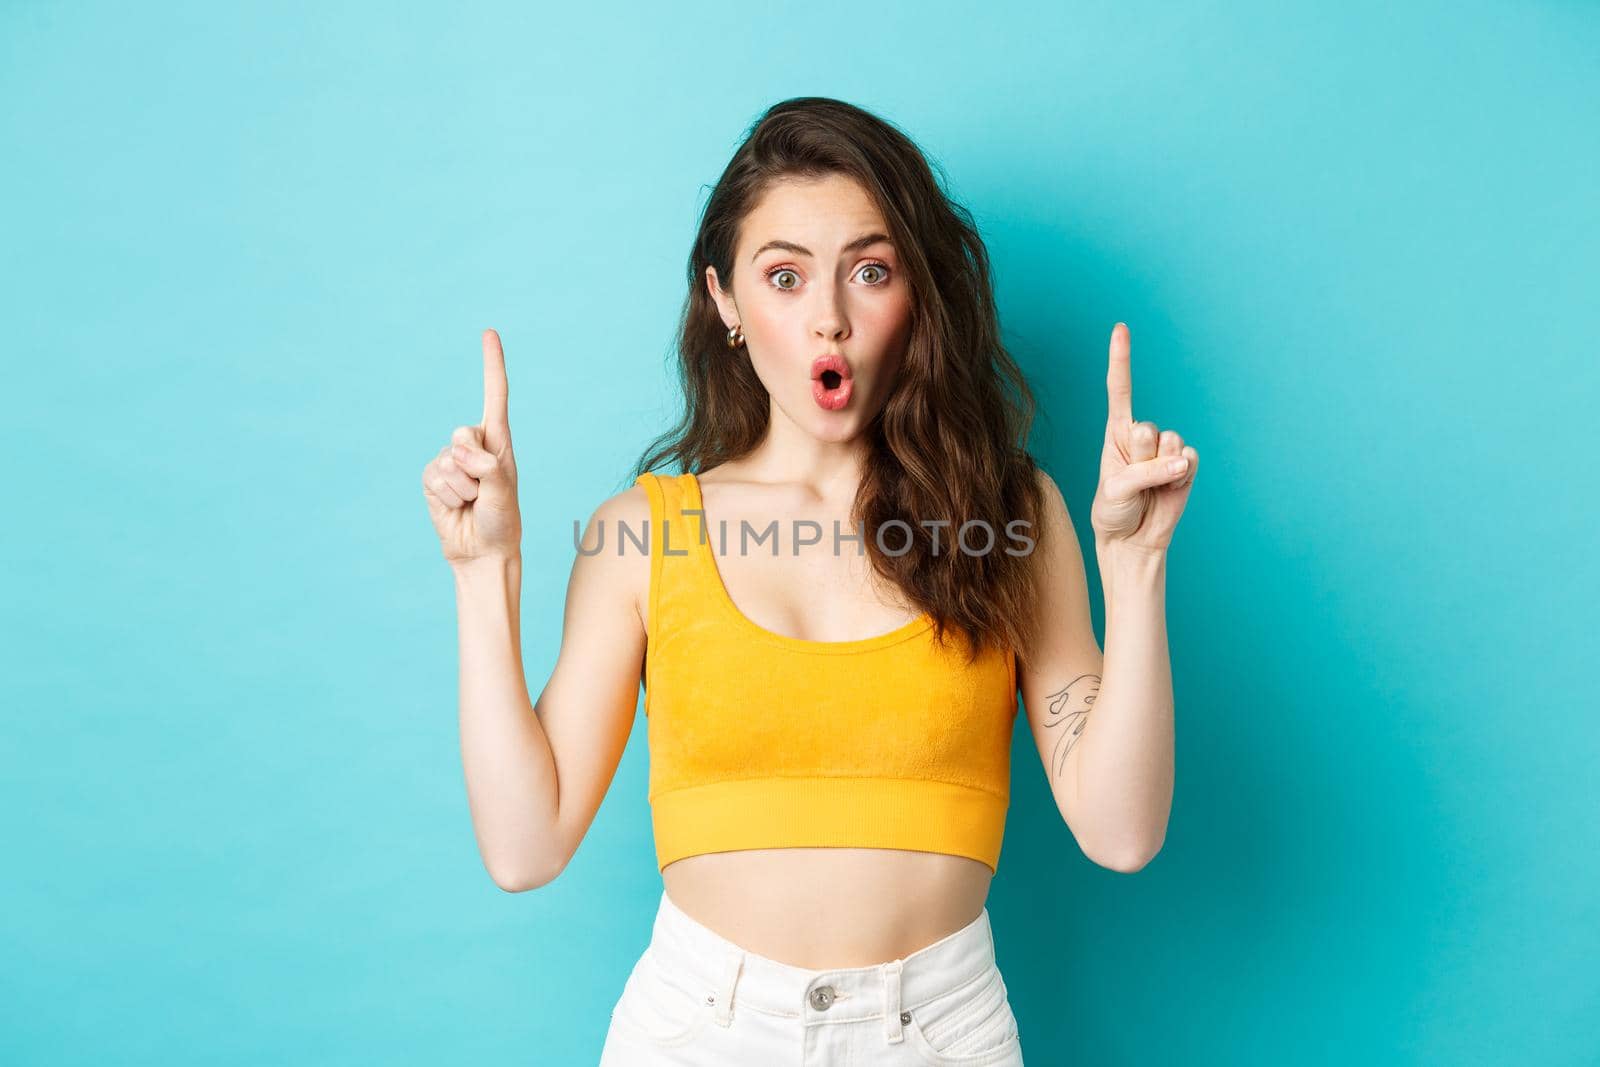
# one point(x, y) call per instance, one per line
point(471, 485)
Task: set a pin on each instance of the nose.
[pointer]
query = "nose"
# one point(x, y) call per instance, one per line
point(830, 322)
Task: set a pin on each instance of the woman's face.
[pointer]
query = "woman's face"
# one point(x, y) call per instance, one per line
point(814, 275)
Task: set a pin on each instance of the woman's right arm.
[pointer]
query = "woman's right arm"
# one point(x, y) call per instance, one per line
point(535, 774)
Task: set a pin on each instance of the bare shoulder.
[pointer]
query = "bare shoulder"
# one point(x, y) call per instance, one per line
point(717, 480)
point(1054, 518)
point(1047, 486)
point(1058, 569)
point(720, 473)
point(614, 548)
point(632, 503)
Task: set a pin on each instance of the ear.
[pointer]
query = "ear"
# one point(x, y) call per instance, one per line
point(724, 301)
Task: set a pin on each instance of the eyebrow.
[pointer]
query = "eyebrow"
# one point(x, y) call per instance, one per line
point(789, 246)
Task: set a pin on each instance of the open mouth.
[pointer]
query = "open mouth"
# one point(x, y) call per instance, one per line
point(831, 384)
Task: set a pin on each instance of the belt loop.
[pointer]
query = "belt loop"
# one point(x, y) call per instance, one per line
point(893, 1027)
point(724, 995)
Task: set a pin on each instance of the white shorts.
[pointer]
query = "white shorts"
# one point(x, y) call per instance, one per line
point(696, 998)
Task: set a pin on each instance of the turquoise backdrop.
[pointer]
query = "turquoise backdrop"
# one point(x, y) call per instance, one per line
point(247, 255)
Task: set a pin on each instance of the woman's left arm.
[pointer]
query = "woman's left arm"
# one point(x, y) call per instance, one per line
point(1125, 762)
point(1112, 771)
point(1145, 478)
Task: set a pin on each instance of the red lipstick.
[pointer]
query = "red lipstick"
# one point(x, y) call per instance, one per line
point(830, 381)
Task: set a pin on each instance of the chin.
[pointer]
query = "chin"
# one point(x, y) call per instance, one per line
point(838, 425)
point(836, 431)
point(832, 427)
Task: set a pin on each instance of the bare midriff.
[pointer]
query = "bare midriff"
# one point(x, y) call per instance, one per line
point(825, 908)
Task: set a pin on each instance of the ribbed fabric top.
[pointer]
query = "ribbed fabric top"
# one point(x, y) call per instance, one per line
point(761, 740)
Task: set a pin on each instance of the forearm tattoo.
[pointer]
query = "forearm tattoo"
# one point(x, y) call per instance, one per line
point(1069, 713)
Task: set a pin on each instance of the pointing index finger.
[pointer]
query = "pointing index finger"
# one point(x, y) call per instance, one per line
point(496, 420)
point(1119, 377)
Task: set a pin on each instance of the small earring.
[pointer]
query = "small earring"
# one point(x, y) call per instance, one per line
point(735, 338)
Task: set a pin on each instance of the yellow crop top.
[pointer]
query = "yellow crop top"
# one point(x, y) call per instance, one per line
point(761, 740)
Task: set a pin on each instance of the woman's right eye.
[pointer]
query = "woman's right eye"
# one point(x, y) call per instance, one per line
point(773, 275)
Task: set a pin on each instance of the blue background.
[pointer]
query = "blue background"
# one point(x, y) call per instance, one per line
point(247, 259)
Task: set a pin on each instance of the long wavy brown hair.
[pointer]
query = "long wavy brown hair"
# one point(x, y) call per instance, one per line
point(951, 441)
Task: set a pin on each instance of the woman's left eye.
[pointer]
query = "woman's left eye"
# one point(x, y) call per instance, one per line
point(879, 268)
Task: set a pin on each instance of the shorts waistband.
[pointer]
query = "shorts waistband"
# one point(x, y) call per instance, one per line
point(733, 975)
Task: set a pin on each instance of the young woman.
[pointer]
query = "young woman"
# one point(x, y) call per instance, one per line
point(832, 609)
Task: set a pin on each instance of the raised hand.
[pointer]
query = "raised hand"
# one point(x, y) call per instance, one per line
point(1140, 496)
point(471, 485)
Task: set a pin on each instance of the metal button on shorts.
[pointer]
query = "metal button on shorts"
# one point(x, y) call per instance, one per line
point(821, 997)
